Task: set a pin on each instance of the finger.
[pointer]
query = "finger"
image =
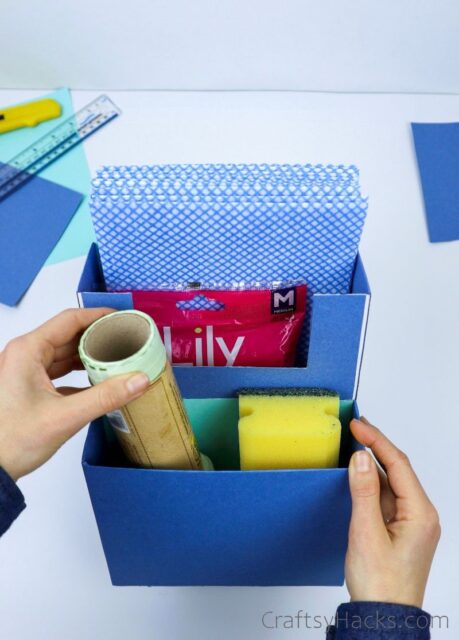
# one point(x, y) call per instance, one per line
point(387, 500)
point(62, 368)
point(367, 520)
point(68, 350)
point(63, 328)
point(401, 477)
point(80, 408)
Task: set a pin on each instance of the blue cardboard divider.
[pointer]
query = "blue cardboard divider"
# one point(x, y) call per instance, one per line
point(231, 527)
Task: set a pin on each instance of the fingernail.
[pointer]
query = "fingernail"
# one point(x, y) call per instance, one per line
point(137, 383)
point(364, 420)
point(362, 461)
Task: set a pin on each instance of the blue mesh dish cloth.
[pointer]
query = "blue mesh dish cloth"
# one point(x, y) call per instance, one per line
point(287, 173)
point(198, 181)
point(227, 234)
point(210, 190)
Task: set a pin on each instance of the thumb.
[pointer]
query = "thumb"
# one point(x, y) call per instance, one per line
point(89, 404)
point(364, 484)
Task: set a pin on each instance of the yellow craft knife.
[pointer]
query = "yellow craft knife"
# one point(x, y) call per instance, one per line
point(29, 115)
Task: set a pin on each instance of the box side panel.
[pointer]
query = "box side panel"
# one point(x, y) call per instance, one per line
point(360, 285)
point(363, 336)
point(92, 277)
point(336, 341)
point(359, 279)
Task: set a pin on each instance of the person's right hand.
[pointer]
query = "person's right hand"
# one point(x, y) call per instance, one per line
point(394, 528)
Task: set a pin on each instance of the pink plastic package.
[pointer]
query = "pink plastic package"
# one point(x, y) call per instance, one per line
point(250, 327)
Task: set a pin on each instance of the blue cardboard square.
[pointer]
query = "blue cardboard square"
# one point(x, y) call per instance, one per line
point(32, 219)
point(231, 527)
point(437, 151)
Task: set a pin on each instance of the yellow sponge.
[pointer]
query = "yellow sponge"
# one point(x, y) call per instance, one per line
point(289, 428)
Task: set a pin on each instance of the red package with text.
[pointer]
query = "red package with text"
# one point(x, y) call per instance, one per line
point(250, 327)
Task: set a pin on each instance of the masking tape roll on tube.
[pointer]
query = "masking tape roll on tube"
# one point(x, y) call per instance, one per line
point(154, 430)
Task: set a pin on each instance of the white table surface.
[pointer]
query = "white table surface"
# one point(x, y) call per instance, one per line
point(54, 584)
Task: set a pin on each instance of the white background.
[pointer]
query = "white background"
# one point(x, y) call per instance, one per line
point(54, 584)
point(316, 45)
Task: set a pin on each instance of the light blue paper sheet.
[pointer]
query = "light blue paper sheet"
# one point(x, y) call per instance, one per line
point(71, 170)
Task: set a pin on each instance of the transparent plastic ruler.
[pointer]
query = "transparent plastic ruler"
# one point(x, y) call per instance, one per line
point(54, 144)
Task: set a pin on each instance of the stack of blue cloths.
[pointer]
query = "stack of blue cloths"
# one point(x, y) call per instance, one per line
point(228, 225)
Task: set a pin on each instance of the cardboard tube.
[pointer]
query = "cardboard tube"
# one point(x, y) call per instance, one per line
point(153, 430)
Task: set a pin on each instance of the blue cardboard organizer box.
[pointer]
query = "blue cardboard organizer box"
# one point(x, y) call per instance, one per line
point(231, 527)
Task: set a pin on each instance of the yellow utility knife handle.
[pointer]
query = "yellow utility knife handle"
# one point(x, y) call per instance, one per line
point(29, 115)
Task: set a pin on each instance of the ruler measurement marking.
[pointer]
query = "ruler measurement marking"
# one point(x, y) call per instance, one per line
point(45, 150)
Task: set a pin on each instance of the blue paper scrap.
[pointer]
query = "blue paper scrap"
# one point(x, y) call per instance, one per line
point(437, 151)
point(32, 219)
point(71, 170)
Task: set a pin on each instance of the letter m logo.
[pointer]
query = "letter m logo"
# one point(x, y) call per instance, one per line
point(283, 300)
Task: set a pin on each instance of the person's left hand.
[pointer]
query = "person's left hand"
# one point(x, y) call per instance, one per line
point(36, 418)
